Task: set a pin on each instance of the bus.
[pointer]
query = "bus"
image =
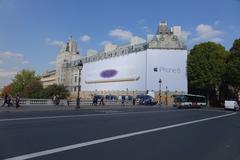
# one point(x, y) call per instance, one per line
point(189, 101)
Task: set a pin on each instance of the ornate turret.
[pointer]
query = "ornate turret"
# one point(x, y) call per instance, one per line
point(72, 45)
point(167, 38)
point(163, 28)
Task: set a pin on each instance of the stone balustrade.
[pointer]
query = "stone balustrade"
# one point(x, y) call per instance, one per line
point(27, 101)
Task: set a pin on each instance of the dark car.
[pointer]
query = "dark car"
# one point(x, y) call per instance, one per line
point(139, 97)
point(146, 100)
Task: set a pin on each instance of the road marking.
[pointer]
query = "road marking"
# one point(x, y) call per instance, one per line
point(98, 141)
point(86, 115)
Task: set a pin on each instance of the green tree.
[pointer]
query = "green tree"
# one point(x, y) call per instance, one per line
point(21, 80)
point(6, 90)
point(206, 67)
point(33, 89)
point(54, 89)
point(233, 68)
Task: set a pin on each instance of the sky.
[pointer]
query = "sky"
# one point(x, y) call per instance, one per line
point(32, 31)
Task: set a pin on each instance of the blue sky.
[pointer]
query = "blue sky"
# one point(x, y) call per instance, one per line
point(31, 31)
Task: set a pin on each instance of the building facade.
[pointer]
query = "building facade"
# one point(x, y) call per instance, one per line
point(131, 69)
point(48, 78)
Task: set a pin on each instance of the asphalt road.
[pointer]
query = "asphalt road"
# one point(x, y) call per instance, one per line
point(154, 133)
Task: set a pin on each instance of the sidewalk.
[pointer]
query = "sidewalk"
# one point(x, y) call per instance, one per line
point(24, 108)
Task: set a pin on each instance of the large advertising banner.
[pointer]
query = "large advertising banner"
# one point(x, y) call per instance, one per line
point(170, 67)
point(117, 73)
point(139, 71)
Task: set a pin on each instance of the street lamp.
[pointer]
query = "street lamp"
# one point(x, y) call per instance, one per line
point(79, 66)
point(166, 97)
point(160, 83)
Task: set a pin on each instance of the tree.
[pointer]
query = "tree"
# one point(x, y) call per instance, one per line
point(21, 80)
point(233, 69)
point(7, 90)
point(206, 67)
point(33, 89)
point(54, 89)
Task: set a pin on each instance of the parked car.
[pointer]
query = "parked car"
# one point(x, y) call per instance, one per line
point(147, 100)
point(231, 105)
point(139, 97)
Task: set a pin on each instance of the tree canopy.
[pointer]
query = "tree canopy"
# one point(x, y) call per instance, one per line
point(233, 68)
point(55, 89)
point(206, 66)
point(33, 89)
point(21, 80)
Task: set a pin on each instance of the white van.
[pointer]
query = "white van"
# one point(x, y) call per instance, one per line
point(233, 105)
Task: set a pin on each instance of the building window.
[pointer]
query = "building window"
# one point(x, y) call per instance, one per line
point(75, 89)
point(75, 79)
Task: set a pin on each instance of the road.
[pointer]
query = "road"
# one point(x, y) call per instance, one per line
point(127, 134)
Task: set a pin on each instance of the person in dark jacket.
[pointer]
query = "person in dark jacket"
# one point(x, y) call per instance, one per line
point(134, 101)
point(5, 100)
point(101, 101)
point(17, 101)
point(9, 100)
point(123, 100)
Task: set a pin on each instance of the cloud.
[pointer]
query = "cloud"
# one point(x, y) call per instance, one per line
point(103, 43)
point(184, 35)
point(146, 29)
point(12, 57)
point(141, 24)
point(9, 54)
point(121, 34)
point(207, 33)
point(56, 43)
point(85, 38)
point(52, 62)
point(6, 75)
point(25, 62)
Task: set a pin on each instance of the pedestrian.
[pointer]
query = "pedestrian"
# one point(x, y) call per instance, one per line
point(134, 101)
point(123, 100)
point(5, 100)
point(57, 100)
point(17, 101)
point(68, 101)
point(54, 99)
point(9, 100)
point(101, 101)
point(95, 100)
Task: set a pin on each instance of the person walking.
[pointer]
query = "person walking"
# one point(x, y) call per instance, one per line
point(57, 100)
point(68, 101)
point(5, 100)
point(9, 100)
point(134, 101)
point(123, 100)
point(101, 101)
point(17, 101)
point(54, 99)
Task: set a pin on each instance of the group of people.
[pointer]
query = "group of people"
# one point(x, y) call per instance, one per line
point(95, 100)
point(8, 100)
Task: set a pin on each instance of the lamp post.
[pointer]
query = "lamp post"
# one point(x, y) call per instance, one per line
point(79, 66)
point(160, 83)
point(166, 93)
